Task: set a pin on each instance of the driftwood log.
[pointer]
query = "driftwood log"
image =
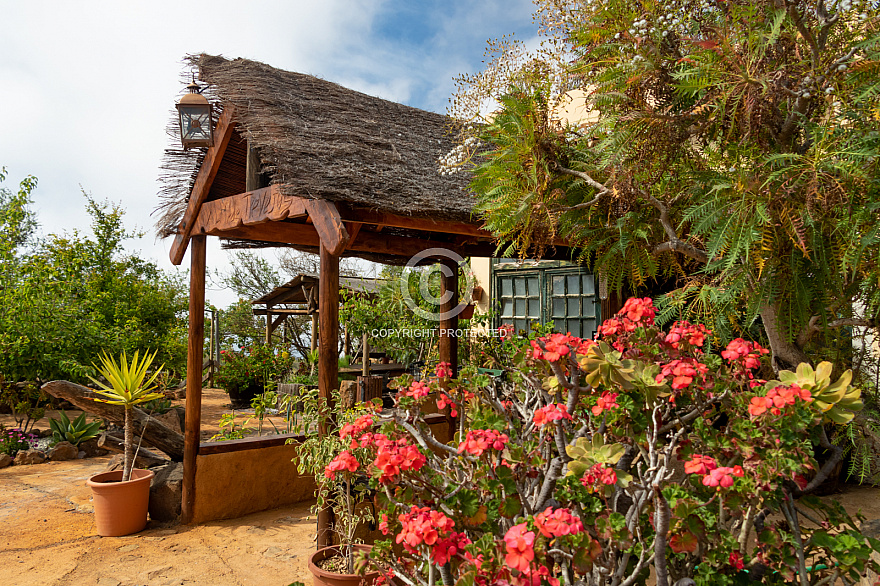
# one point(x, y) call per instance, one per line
point(153, 431)
point(145, 458)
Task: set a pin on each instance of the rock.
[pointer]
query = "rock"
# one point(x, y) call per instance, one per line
point(90, 447)
point(5, 460)
point(108, 581)
point(30, 457)
point(871, 529)
point(116, 462)
point(171, 420)
point(63, 451)
point(166, 492)
point(128, 548)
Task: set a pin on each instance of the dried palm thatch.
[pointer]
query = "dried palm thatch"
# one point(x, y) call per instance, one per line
point(320, 140)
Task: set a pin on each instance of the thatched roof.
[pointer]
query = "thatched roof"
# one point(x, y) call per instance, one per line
point(320, 140)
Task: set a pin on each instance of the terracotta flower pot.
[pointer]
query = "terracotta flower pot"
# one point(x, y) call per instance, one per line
point(325, 578)
point(120, 507)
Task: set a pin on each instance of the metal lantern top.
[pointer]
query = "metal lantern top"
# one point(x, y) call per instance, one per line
point(194, 112)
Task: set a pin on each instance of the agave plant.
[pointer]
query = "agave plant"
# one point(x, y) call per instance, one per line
point(128, 386)
point(75, 431)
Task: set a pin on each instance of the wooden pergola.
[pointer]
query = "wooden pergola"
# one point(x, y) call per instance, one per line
point(304, 163)
point(302, 291)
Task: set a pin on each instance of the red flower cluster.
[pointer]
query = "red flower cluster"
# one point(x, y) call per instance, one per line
point(597, 475)
point(361, 424)
point(422, 525)
point(558, 345)
point(736, 560)
point(777, 399)
point(505, 331)
point(551, 412)
point(749, 353)
point(417, 390)
point(443, 401)
point(480, 440)
point(712, 473)
point(683, 371)
point(392, 458)
point(608, 400)
point(443, 370)
point(639, 311)
point(558, 523)
point(344, 461)
point(693, 334)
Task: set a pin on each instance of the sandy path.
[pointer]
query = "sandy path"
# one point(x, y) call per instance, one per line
point(47, 537)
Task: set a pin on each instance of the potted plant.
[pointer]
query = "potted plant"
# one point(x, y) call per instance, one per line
point(121, 497)
point(335, 465)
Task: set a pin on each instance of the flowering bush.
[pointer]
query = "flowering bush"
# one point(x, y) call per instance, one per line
point(251, 371)
point(13, 440)
point(608, 460)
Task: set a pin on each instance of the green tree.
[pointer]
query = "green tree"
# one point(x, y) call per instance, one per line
point(731, 150)
point(76, 294)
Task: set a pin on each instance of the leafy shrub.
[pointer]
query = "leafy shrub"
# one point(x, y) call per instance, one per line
point(13, 440)
point(76, 431)
point(27, 402)
point(257, 366)
point(608, 461)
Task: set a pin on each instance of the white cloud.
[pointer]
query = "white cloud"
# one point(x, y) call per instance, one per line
point(86, 88)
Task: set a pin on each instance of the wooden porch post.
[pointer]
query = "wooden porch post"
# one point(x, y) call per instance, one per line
point(328, 359)
point(449, 343)
point(194, 375)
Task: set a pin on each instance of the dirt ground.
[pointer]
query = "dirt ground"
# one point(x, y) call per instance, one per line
point(47, 537)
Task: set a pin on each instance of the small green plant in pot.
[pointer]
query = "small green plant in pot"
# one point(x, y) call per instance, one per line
point(341, 484)
point(76, 431)
point(128, 386)
point(121, 500)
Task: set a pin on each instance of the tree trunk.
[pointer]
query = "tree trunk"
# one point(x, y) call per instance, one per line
point(784, 353)
point(153, 432)
point(129, 446)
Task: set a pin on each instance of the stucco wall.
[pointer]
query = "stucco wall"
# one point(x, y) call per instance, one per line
point(237, 483)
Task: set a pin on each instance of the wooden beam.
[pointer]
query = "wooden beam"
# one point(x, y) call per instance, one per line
point(195, 348)
point(328, 223)
point(276, 322)
point(282, 311)
point(353, 230)
point(364, 216)
point(305, 235)
point(328, 362)
point(248, 209)
point(204, 179)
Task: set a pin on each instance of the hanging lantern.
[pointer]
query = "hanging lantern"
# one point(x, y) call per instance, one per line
point(194, 112)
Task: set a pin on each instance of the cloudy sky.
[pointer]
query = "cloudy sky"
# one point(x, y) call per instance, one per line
point(86, 87)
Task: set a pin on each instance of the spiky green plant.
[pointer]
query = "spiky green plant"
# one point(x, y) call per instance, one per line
point(75, 431)
point(129, 385)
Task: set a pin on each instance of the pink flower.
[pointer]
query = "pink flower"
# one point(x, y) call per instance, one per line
point(598, 475)
point(608, 400)
point(417, 390)
point(520, 550)
point(777, 399)
point(362, 423)
point(443, 370)
point(693, 334)
point(551, 412)
point(558, 523)
point(682, 371)
point(344, 461)
point(479, 441)
point(443, 401)
point(746, 353)
point(700, 465)
point(639, 311)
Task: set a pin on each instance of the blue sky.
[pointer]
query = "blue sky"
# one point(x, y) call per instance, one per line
point(87, 87)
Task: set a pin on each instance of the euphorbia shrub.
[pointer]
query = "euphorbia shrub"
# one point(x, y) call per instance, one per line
point(604, 461)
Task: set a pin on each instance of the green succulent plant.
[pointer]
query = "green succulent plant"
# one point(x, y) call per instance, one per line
point(75, 432)
point(129, 385)
point(837, 401)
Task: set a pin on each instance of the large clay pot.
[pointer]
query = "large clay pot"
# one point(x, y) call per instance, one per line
point(241, 397)
point(120, 507)
point(325, 578)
